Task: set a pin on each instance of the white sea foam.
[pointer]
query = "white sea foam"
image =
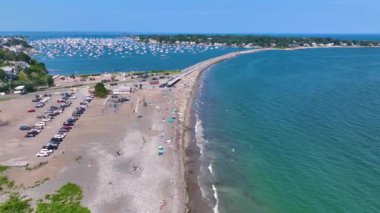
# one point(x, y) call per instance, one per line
point(216, 207)
point(200, 141)
point(210, 168)
point(199, 136)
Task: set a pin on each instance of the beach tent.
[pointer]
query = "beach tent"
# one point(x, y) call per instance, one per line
point(160, 150)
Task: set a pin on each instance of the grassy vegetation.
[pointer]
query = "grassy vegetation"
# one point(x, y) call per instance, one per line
point(4, 181)
point(67, 199)
point(164, 71)
point(3, 168)
point(16, 204)
point(89, 75)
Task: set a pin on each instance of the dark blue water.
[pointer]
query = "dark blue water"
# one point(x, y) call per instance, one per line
point(293, 131)
point(98, 52)
point(84, 53)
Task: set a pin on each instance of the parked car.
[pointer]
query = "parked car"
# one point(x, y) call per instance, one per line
point(67, 127)
point(39, 128)
point(72, 120)
point(51, 115)
point(41, 116)
point(78, 112)
point(54, 143)
point(41, 123)
point(31, 110)
point(58, 111)
point(24, 127)
point(43, 154)
point(40, 105)
point(46, 150)
point(63, 130)
point(35, 131)
point(46, 119)
point(51, 147)
point(61, 135)
point(89, 98)
point(56, 139)
point(30, 134)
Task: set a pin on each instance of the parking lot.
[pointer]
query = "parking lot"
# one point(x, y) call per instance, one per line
point(18, 149)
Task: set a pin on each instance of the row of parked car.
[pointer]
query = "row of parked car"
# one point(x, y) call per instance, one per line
point(41, 100)
point(56, 140)
point(48, 115)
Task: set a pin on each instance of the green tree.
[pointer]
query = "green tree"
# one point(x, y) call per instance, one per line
point(3, 75)
point(22, 77)
point(50, 80)
point(100, 90)
point(29, 88)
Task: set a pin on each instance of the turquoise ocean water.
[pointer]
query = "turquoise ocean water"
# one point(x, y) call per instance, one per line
point(293, 131)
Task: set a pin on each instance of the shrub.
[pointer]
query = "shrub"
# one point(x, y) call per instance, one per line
point(100, 90)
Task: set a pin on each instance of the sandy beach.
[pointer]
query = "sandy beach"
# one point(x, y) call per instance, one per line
point(112, 153)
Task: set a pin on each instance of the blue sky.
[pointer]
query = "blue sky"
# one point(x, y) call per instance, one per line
point(194, 16)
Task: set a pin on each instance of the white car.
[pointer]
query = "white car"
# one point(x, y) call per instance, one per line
point(39, 128)
point(47, 150)
point(60, 136)
point(46, 119)
point(35, 130)
point(42, 154)
point(41, 123)
point(58, 111)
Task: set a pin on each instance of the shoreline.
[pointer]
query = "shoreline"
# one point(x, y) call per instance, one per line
point(189, 147)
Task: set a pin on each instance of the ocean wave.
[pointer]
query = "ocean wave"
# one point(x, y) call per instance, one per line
point(215, 209)
point(205, 181)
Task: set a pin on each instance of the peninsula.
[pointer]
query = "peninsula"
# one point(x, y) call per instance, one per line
point(250, 41)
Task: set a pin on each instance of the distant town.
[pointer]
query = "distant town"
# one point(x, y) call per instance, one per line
point(17, 68)
point(251, 41)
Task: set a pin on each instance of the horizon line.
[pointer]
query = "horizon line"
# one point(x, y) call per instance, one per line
point(189, 33)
